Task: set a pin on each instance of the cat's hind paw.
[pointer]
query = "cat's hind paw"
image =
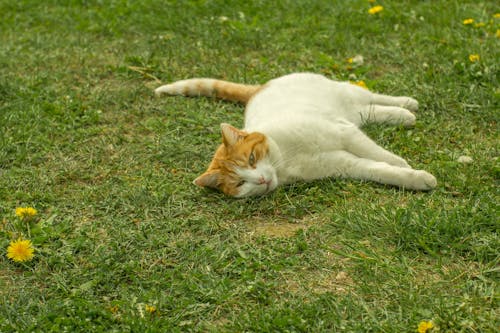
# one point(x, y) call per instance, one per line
point(424, 181)
point(410, 104)
point(408, 119)
point(399, 162)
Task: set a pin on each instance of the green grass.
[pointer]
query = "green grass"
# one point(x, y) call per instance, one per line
point(109, 169)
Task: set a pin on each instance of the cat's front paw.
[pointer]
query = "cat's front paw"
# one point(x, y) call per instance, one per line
point(424, 181)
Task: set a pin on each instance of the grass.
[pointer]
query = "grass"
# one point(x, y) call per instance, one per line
point(125, 242)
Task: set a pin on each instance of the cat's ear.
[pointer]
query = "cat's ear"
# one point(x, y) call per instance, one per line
point(230, 134)
point(208, 179)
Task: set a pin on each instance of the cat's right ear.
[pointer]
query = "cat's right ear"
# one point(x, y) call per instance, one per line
point(208, 179)
point(230, 134)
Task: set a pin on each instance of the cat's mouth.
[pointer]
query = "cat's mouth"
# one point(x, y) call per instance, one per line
point(268, 183)
point(270, 186)
point(268, 189)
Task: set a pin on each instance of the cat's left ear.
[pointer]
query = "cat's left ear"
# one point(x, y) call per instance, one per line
point(208, 179)
point(230, 134)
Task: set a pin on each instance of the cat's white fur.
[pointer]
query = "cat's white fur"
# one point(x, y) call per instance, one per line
point(312, 124)
point(312, 127)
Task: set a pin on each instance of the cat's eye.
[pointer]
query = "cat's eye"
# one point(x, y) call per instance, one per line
point(251, 159)
point(240, 183)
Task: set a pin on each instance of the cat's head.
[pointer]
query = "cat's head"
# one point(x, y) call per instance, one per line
point(241, 166)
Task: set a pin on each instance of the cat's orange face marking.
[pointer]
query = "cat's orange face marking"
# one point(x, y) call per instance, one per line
point(240, 165)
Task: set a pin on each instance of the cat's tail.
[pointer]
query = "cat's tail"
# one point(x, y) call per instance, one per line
point(211, 88)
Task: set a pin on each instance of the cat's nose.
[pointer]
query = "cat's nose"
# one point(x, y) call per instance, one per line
point(263, 180)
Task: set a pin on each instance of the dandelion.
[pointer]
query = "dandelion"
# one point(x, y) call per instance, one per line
point(497, 15)
point(349, 60)
point(376, 9)
point(474, 57)
point(425, 326)
point(25, 212)
point(360, 83)
point(20, 250)
point(468, 21)
point(150, 308)
point(497, 34)
point(479, 25)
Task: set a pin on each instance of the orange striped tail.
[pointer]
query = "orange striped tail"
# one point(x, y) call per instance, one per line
point(211, 88)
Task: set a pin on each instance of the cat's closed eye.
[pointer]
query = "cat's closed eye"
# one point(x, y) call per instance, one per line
point(241, 182)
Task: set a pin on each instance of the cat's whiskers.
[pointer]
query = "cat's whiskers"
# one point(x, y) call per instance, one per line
point(291, 153)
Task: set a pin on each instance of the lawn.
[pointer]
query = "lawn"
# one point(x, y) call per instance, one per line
point(124, 242)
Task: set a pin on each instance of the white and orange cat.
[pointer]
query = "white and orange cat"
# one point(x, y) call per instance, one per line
point(302, 127)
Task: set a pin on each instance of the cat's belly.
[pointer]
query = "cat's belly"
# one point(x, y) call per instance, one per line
point(302, 97)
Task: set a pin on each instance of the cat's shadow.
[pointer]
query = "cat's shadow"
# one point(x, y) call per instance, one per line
point(290, 202)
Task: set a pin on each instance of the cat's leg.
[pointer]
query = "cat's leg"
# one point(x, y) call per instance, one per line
point(359, 144)
point(393, 115)
point(401, 101)
point(346, 165)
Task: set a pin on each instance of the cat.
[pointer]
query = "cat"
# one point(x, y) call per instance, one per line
point(302, 127)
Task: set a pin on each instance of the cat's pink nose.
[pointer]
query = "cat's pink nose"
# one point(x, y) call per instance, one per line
point(263, 180)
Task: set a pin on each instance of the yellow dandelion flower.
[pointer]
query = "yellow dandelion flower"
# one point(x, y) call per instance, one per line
point(497, 15)
point(468, 21)
point(150, 308)
point(474, 57)
point(350, 60)
point(425, 326)
point(361, 84)
point(497, 34)
point(20, 250)
point(25, 212)
point(376, 9)
point(479, 25)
